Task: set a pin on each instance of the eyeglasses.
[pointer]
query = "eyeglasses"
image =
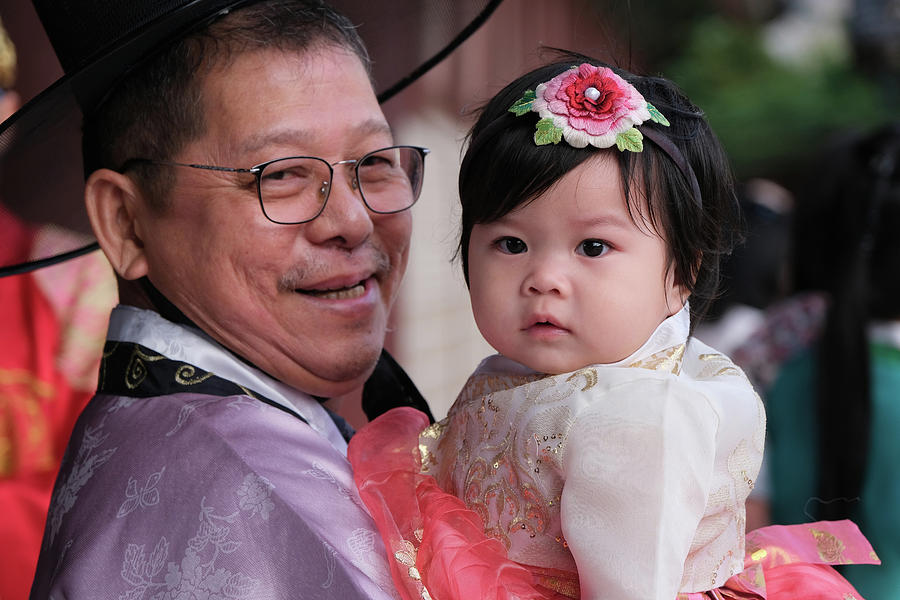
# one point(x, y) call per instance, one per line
point(294, 190)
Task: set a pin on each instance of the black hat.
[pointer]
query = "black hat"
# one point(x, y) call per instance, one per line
point(100, 41)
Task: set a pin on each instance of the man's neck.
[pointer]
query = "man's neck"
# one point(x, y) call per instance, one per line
point(141, 293)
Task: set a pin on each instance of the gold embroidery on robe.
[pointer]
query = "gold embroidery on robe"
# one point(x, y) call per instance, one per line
point(716, 366)
point(185, 375)
point(668, 360)
point(590, 378)
point(137, 370)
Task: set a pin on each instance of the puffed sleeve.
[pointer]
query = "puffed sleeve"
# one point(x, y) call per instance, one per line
point(638, 464)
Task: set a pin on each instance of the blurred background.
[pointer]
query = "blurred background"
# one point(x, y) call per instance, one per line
point(778, 80)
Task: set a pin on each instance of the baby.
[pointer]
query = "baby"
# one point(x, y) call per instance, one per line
point(604, 452)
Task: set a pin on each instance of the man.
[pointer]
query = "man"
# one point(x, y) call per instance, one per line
point(205, 465)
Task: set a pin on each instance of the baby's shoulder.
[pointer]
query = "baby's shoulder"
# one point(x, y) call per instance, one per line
point(726, 387)
point(716, 373)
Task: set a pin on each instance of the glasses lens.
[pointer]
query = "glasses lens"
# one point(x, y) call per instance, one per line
point(391, 179)
point(294, 190)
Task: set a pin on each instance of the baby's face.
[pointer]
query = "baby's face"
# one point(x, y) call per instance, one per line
point(570, 279)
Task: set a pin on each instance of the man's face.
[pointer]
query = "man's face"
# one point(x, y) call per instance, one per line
point(306, 303)
point(571, 279)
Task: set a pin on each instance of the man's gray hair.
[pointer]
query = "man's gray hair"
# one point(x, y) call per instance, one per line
point(158, 108)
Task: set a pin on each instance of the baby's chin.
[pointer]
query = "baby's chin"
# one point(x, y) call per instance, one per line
point(560, 365)
point(553, 367)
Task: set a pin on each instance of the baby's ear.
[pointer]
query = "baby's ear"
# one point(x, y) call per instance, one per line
point(677, 291)
point(676, 295)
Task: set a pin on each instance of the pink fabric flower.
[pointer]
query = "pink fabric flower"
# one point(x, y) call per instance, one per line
point(592, 105)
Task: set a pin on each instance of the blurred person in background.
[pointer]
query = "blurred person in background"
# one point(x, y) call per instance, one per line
point(756, 274)
point(52, 327)
point(827, 360)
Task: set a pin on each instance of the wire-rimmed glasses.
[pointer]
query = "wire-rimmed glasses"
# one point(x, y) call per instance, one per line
point(295, 189)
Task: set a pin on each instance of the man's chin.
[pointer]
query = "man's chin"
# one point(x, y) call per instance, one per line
point(342, 376)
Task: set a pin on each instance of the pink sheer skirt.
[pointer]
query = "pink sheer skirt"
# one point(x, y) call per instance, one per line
point(438, 549)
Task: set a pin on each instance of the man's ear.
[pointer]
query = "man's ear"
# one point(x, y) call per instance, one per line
point(114, 206)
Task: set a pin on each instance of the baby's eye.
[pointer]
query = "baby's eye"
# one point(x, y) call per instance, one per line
point(511, 245)
point(592, 248)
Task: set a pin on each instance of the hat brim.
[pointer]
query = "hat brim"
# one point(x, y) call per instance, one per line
point(40, 145)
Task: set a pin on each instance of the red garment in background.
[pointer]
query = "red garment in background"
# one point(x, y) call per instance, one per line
point(52, 324)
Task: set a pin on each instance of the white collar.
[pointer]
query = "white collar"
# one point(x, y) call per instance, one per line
point(193, 346)
point(672, 331)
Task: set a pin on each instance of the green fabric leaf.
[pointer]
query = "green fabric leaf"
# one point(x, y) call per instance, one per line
point(523, 104)
point(630, 140)
point(547, 132)
point(656, 116)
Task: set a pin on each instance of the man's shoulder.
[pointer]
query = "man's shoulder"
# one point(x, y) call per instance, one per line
point(159, 411)
point(191, 438)
point(178, 420)
point(153, 487)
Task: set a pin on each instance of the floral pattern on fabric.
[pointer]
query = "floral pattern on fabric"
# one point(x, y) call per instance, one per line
point(254, 496)
point(196, 574)
point(85, 465)
point(145, 497)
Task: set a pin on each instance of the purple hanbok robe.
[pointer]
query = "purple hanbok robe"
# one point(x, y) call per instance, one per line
point(202, 492)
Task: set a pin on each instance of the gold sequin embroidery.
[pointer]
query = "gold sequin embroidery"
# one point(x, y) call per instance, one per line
point(668, 360)
point(426, 456)
point(590, 378)
point(829, 547)
point(405, 554)
point(716, 366)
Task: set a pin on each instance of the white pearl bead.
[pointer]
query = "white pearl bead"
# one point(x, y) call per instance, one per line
point(592, 93)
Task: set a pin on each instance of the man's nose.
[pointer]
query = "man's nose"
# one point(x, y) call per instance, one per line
point(345, 221)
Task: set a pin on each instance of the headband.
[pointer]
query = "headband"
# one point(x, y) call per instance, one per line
point(588, 105)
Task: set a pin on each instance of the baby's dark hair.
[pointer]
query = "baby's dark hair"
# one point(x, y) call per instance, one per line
point(503, 169)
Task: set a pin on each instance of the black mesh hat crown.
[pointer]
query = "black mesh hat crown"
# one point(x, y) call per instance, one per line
point(99, 41)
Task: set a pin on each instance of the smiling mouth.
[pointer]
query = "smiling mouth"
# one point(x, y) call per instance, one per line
point(347, 293)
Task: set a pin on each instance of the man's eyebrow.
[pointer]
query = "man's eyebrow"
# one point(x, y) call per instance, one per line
point(294, 137)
